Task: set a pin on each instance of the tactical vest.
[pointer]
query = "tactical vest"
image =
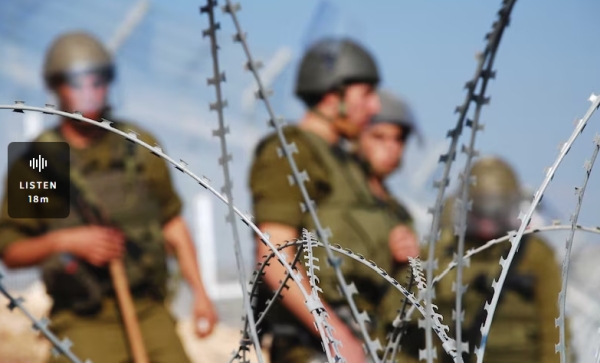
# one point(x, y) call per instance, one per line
point(125, 198)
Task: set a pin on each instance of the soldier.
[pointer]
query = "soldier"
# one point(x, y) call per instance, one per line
point(523, 328)
point(336, 81)
point(381, 150)
point(132, 189)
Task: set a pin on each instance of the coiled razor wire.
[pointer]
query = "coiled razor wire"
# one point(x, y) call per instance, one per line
point(525, 219)
point(493, 41)
point(562, 301)
point(312, 301)
point(224, 160)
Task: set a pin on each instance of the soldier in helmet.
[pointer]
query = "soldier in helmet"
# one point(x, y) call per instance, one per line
point(523, 329)
point(337, 81)
point(380, 148)
point(132, 190)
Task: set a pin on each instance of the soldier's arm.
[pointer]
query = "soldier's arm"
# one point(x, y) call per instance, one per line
point(548, 286)
point(179, 238)
point(175, 230)
point(277, 212)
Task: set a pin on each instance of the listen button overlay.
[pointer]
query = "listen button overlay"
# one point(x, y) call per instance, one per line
point(38, 179)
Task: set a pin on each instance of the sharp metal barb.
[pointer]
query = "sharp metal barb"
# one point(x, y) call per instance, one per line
point(562, 296)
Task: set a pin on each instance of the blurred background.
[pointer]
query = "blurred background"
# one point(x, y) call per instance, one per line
point(547, 67)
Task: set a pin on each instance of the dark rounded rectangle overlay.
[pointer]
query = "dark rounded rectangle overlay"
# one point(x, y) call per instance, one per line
point(39, 180)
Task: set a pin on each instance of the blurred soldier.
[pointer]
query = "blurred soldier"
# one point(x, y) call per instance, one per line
point(381, 149)
point(523, 328)
point(129, 186)
point(336, 81)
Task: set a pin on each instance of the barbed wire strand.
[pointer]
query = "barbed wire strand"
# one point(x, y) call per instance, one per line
point(473, 251)
point(525, 219)
point(349, 253)
point(20, 107)
point(224, 160)
point(493, 41)
point(562, 301)
point(59, 347)
point(299, 178)
point(283, 284)
point(399, 327)
point(463, 204)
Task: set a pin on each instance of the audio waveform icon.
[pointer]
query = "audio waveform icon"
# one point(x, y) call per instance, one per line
point(40, 163)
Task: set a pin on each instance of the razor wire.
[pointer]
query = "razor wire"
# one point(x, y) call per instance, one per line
point(58, 346)
point(525, 219)
point(579, 192)
point(473, 251)
point(312, 300)
point(463, 204)
point(493, 41)
point(224, 160)
point(399, 327)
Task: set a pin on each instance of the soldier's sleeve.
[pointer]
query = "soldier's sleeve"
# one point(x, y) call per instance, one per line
point(15, 229)
point(159, 178)
point(274, 199)
point(548, 286)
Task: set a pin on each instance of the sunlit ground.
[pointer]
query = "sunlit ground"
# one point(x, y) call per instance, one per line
point(19, 343)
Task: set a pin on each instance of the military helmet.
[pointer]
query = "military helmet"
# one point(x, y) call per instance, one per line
point(76, 52)
point(497, 190)
point(396, 111)
point(331, 63)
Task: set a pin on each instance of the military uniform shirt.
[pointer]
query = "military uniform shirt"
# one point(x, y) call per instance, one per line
point(274, 199)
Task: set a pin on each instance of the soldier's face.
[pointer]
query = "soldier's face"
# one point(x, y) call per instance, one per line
point(85, 93)
point(362, 103)
point(382, 145)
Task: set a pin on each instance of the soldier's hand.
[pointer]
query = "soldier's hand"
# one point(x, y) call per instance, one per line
point(205, 315)
point(403, 243)
point(95, 244)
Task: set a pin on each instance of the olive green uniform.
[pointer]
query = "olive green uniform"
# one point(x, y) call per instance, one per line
point(345, 204)
point(523, 328)
point(133, 188)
